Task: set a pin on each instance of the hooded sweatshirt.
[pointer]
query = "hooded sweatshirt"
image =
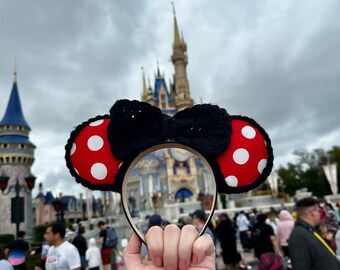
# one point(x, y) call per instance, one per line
point(285, 227)
point(92, 254)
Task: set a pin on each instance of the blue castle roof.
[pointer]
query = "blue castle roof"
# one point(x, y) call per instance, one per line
point(49, 198)
point(14, 114)
point(158, 83)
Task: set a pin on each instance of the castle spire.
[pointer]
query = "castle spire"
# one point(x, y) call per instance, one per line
point(180, 60)
point(14, 114)
point(177, 38)
point(144, 83)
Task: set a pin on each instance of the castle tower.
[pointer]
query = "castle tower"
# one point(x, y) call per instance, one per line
point(180, 60)
point(16, 159)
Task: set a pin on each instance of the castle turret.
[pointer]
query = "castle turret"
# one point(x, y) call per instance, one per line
point(16, 159)
point(15, 146)
point(180, 60)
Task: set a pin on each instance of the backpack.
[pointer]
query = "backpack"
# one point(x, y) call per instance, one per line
point(111, 237)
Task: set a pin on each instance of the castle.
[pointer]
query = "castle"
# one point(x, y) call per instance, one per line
point(166, 175)
point(173, 174)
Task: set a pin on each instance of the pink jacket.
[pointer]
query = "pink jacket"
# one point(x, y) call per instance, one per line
point(285, 227)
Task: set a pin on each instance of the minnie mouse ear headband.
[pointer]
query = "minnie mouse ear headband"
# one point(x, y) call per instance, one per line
point(100, 150)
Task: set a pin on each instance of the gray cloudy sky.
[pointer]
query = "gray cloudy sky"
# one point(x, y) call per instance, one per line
point(275, 61)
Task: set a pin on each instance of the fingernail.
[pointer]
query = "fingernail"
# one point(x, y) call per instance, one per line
point(158, 261)
point(182, 264)
point(194, 259)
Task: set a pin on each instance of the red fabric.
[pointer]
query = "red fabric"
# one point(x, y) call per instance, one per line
point(254, 146)
point(87, 162)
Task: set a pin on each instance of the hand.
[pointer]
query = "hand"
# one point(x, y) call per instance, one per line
point(171, 249)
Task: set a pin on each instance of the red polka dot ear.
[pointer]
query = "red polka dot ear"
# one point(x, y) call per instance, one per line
point(89, 158)
point(248, 160)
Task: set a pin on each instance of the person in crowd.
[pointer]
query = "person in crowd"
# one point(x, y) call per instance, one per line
point(43, 249)
point(322, 212)
point(265, 245)
point(198, 220)
point(307, 249)
point(16, 252)
point(62, 255)
point(337, 242)
point(80, 243)
point(242, 223)
point(284, 229)
point(326, 235)
point(273, 220)
point(93, 256)
point(330, 218)
point(5, 265)
point(107, 252)
point(226, 234)
point(171, 248)
point(252, 218)
point(185, 220)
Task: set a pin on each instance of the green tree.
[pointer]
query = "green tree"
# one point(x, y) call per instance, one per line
point(307, 171)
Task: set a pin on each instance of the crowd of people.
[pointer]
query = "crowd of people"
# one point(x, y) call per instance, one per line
point(307, 237)
point(59, 253)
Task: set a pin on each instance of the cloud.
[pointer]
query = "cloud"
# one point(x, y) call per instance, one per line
point(276, 62)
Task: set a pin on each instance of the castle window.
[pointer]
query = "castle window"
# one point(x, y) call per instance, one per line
point(1, 160)
point(7, 160)
point(7, 127)
point(19, 159)
point(5, 145)
point(22, 146)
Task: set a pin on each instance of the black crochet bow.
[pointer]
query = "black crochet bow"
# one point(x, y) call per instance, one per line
point(136, 126)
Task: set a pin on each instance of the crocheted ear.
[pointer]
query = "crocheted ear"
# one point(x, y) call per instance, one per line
point(89, 158)
point(248, 160)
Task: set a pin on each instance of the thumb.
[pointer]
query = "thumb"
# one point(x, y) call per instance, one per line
point(132, 257)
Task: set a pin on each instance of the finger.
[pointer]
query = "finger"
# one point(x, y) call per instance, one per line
point(171, 240)
point(203, 247)
point(132, 257)
point(154, 241)
point(188, 236)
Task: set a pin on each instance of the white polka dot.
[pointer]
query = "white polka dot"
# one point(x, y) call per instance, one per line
point(96, 123)
point(73, 149)
point(248, 132)
point(231, 181)
point(262, 164)
point(99, 171)
point(241, 156)
point(95, 143)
